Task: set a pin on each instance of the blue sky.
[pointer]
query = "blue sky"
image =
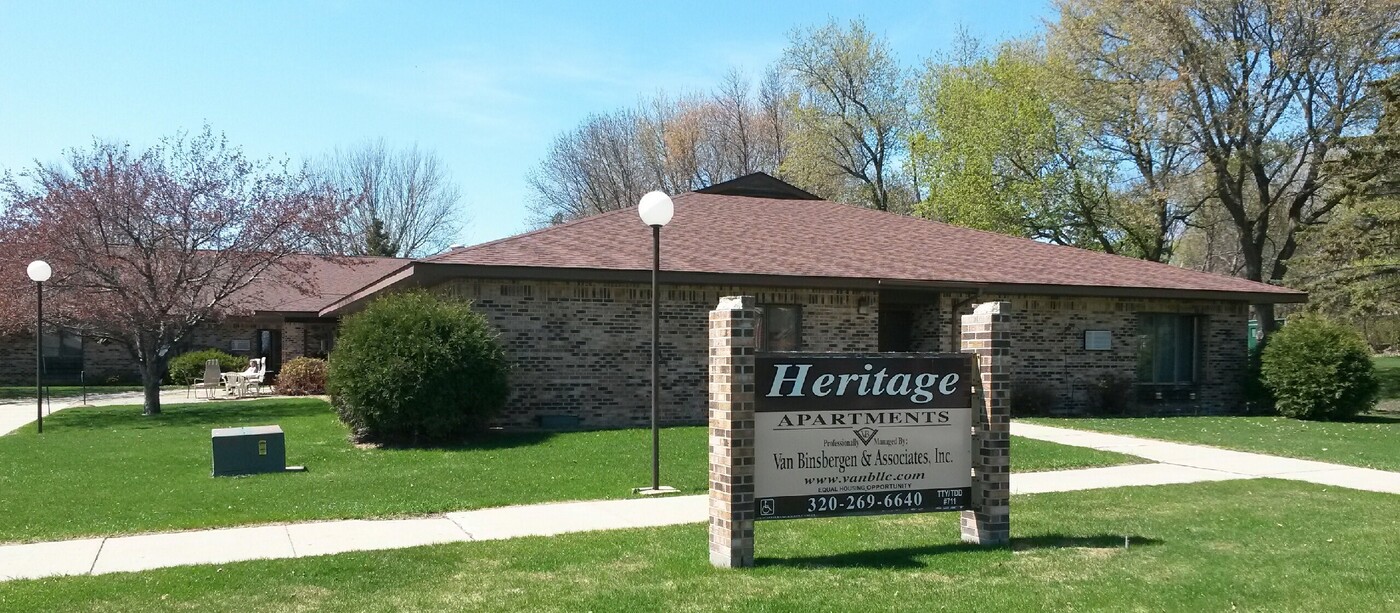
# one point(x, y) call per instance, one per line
point(486, 85)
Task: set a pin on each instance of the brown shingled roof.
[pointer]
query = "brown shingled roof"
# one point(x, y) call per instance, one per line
point(332, 278)
point(737, 235)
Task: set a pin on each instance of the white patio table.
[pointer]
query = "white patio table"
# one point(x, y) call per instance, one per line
point(236, 383)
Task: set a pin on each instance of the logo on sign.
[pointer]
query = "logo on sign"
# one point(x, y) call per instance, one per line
point(866, 435)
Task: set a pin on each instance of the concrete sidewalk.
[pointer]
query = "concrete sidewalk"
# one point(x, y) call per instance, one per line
point(142, 552)
point(1240, 463)
point(18, 413)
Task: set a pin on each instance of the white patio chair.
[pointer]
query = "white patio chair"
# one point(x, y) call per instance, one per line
point(256, 375)
point(212, 379)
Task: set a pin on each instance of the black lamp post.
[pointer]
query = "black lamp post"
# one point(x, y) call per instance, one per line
point(655, 210)
point(39, 272)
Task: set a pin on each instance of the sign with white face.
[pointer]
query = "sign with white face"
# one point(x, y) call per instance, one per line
point(839, 434)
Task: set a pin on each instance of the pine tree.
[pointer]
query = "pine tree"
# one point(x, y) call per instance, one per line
point(377, 241)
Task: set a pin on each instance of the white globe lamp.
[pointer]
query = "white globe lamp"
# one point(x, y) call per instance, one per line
point(656, 209)
point(39, 271)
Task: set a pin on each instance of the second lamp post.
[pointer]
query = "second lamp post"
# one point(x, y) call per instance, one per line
point(656, 210)
point(39, 271)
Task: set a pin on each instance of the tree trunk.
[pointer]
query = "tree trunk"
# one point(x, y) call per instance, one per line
point(1264, 314)
point(1252, 248)
point(151, 370)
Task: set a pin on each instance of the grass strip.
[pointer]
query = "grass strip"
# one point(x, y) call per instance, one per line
point(110, 470)
point(1258, 545)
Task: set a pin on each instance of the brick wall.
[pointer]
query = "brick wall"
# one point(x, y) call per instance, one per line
point(293, 341)
point(112, 360)
point(221, 335)
point(928, 332)
point(583, 349)
point(100, 362)
point(1050, 348)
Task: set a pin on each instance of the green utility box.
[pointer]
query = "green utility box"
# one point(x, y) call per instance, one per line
point(247, 451)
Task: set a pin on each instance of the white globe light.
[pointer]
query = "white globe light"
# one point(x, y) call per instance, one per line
point(39, 271)
point(656, 209)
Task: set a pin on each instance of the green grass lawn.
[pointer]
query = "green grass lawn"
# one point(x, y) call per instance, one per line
point(14, 392)
point(109, 470)
point(1371, 441)
point(1029, 455)
point(1260, 545)
point(1388, 371)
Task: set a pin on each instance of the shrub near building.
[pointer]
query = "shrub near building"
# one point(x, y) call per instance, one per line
point(414, 368)
point(302, 376)
point(187, 367)
point(1316, 369)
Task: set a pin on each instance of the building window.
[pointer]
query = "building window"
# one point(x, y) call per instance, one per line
point(782, 328)
point(62, 343)
point(63, 353)
point(1168, 345)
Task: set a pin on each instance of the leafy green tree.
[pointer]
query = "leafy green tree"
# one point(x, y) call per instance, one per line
point(1352, 270)
point(996, 152)
point(1264, 92)
point(849, 116)
point(1017, 142)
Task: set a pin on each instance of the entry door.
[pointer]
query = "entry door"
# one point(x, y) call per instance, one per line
point(896, 329)
point(269, 346)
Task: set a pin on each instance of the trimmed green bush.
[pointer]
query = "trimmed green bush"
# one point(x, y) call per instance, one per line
point(1316, 369)
point(413, 368)
point(302, 377)
point(1258, 399)
point(185, 368)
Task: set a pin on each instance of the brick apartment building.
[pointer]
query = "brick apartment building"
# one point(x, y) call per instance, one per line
point(572, 304)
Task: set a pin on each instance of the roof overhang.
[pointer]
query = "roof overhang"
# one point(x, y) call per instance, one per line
point(427, 274)
point(354, 300)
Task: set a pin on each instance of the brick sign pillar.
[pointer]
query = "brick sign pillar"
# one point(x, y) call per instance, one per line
point(732, 345)
point(987, 332)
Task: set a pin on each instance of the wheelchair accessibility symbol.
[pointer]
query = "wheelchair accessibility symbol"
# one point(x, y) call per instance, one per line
point(766, 506)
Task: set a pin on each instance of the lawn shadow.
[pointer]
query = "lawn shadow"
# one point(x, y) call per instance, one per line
point(211, 415)
point(1372, 418)
point(912, 557)
point(486, 442)
point(1390, 382)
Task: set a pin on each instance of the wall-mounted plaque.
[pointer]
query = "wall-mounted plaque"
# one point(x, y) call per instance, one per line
point(1098, 340)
